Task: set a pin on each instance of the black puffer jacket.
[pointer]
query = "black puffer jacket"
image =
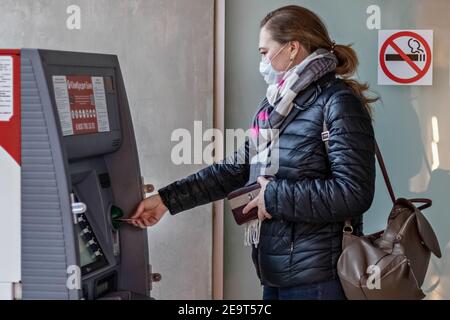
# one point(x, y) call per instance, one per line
point(312, 194)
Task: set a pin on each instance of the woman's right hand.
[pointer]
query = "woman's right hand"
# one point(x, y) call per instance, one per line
point(149, 212)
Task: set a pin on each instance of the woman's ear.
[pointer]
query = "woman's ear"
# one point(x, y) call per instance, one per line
point(296, 50)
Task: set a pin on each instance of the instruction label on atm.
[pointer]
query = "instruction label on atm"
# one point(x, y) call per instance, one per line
point(81, 104)
point(6, 88)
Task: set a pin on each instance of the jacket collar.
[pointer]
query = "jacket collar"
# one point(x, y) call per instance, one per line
point(319, 84)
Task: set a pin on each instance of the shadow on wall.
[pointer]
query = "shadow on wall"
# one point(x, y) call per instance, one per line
point(406, 147)
point(409, 122)
point(437, 282)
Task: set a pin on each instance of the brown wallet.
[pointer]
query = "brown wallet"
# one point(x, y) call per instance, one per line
point(239, 198)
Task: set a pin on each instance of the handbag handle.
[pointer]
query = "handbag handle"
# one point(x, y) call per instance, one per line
point(426, 202)
point(387, 181)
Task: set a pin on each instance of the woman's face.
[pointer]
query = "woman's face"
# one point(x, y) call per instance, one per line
point(279, 54)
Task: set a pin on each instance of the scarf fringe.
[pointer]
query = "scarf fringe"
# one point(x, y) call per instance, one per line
point(252, 230)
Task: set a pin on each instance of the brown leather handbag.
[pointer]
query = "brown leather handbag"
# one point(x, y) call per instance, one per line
point(392, 263)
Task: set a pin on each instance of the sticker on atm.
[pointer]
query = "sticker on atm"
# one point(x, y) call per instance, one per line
point(6, 88)
point(81, 104)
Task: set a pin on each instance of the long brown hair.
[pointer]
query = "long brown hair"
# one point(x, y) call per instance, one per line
point(295, 23)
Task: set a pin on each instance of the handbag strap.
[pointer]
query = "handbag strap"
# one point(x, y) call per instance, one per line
point(387, 181)
point(348, 226)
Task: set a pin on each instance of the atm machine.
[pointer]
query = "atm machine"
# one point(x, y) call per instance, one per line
point(79, 174)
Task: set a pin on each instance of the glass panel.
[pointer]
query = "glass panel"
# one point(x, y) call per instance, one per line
point(411, 123)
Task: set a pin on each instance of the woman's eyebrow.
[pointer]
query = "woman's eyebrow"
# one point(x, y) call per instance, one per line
point(261, 48)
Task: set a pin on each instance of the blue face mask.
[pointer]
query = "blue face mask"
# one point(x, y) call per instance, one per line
point(271, 76)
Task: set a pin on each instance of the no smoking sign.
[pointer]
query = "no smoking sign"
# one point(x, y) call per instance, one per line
point(405, 57)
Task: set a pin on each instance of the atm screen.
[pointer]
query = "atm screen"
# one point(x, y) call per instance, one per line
point(81, 103)
point(86, 102)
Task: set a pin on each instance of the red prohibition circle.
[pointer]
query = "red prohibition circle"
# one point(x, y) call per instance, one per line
point(391, 40)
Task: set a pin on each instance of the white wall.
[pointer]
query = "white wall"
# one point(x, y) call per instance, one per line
point(165, 49)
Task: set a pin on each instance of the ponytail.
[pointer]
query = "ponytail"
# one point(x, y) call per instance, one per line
point(346, 68)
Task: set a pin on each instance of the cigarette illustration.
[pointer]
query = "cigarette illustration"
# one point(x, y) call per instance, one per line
point(417, 53)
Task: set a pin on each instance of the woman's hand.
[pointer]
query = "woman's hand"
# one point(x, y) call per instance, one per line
point(149, 212)
point(259, 201)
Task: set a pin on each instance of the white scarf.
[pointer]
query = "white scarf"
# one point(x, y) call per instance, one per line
point(280, 99)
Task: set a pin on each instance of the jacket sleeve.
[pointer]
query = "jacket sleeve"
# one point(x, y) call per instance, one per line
point(209, 184)
point(349, 190)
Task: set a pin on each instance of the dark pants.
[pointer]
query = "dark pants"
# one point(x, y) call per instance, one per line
point(330, 290)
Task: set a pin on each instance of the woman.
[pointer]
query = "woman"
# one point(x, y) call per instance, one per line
point(317, 187)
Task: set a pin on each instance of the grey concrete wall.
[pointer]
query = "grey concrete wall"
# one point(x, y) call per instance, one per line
point(165, 48)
